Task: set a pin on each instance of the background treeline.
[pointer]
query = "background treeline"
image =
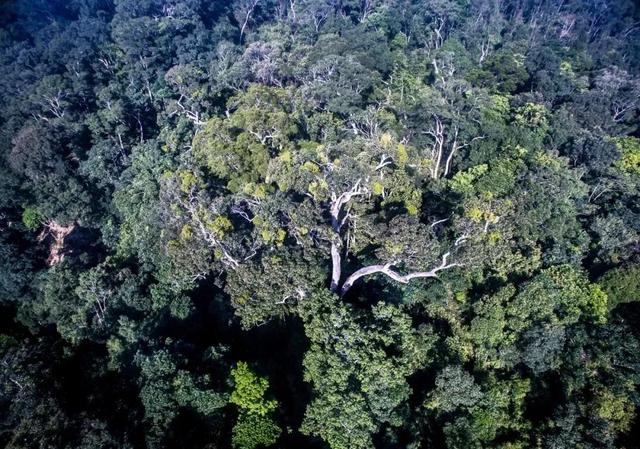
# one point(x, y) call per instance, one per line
point(187, 186)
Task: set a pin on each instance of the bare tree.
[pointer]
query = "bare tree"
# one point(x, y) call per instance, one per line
point(440, 146)
point(59, 233)
point(99, 298)
point(624, 91)
point(190, 114)
point(437, 35)
point(292, 8)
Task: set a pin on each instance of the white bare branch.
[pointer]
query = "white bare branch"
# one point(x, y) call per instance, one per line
point(437, 222)
point(384, 161)
point(209, 236)
point(337, 222)
point(337, 203)
point(455, 147)
point(403, 279)
point(437, 132)
point(336, 261)
point(485, 47)
point(247, 17)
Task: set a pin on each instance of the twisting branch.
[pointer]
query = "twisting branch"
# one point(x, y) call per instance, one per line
point(631, 29)
point(454, 148)
point(485, 47)
point(238, 209)
point(444, 265)
point(403, 279)
point(101, 298)
point(436, 38)
point(620, 109)
point(193, 116)
point(292, 6)
point(461, 240)
point(18, 384)
point(598, 191)
point(59, 234)
point(437, 222)
point(300, 292)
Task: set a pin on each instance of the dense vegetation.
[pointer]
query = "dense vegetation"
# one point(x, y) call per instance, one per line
point(337, 224)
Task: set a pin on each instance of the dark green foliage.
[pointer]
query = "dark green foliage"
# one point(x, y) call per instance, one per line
point(165, 389)
point(622, 285)
point(253, 431)
point(319, 224)
point(256, 426)
point(358, 363)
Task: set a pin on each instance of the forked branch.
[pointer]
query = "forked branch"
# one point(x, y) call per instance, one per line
point(337, 203)
point(337, 222)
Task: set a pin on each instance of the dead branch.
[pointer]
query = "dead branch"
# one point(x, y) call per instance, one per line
point(403, 279)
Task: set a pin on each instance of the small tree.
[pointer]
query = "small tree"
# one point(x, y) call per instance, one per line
point(256, 426)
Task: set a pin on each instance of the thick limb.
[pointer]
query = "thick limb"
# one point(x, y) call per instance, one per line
point(337, 202)
point(336, 261)
point(403, 279)
point(337, 222)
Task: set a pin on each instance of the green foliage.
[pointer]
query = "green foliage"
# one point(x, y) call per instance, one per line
point(561, 295)
point(455, 388)
point(630, 150)
point(617, 410)
point(395, 209)
point(252, 431)
point(249, 391)
point(274, 286)
point(462, 182)
point(164, 389)
point(31, 218)
point(505, 72)
point(529, 324)
point(531, 121)
point(255, 426)
point(7, 342)
point(238, 160)
point(548, 204)
point(494, 412)
point(621, 285)
point(237, 149)
point(374, 350)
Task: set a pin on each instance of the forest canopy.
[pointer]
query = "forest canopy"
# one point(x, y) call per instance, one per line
point(332, 224)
